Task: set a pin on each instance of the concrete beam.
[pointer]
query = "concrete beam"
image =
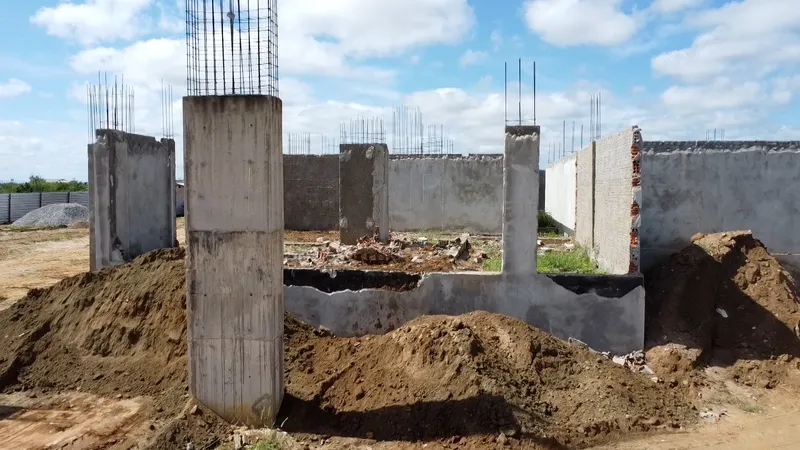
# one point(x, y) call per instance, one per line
point(234, 230)
point(520, 199)
point(363, 192)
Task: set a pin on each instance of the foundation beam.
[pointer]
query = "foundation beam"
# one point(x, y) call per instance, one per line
point(234, 230)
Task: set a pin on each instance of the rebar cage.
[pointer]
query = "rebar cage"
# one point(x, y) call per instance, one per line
point(231, 47)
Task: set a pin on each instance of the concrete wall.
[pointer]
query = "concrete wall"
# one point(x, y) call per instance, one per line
point(603, 198)
point(605, 312)
point(560, 192)
point(234, 233)
point(448, 192)
point(131, 196)
point(693, 187)
point(311, 192)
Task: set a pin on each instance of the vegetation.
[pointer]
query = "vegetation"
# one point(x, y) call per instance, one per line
point(39, 184)
point(547, 224)
point(576, 260)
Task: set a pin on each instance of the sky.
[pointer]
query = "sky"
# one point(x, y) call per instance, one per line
point(675, 68)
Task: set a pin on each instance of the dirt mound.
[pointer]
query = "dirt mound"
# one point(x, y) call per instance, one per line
point(725, 300)
point(480, 373)
point(121, 333)
point(118, 332)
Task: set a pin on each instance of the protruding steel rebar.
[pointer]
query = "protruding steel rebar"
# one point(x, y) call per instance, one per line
point(232, 47)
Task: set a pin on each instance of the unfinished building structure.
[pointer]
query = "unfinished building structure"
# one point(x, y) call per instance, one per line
point(131, 181)
point(232, 120)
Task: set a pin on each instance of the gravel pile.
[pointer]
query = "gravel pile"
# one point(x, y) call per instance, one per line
point(55, 215)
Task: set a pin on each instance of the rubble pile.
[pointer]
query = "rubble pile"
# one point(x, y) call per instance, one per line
point(402, 252)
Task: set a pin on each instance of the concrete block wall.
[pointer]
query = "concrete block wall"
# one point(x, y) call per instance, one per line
point(617, 196)
point(560, 192)
point(585, 196)
point(447, 192)
point(311, 192)
point(714, 186)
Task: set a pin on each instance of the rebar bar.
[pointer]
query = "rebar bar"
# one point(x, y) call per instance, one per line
point(362, 130)
point(310, 144)
point(231, 47)
point(167, 115)
point(110, 105)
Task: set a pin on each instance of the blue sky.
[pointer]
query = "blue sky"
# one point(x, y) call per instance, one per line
point(676, 68)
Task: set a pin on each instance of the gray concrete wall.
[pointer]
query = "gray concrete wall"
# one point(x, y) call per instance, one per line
point(606, 322)
point(234, 232)
point(447, 192)
point(363, 192)
point(616, 190)
point(311, 190)
point(132, 196)
point(585, 197)
point(560, 192)
point(693, 187)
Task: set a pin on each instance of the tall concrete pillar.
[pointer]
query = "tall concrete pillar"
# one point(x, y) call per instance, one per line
point(520, 199)
point(131, 196)
point(363, 192)
point(234, 230)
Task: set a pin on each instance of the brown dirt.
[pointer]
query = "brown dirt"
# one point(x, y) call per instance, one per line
point(735, 273)
point(438, 377)
point(121, 333)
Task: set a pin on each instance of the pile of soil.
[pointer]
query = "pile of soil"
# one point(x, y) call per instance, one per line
point(480, 373)
point(121, 332)
point(723, 301)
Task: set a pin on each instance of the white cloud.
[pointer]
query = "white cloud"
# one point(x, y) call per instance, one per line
point(721, 94)
point(673, 6)
point(472, 57)
point(13, 88)
point(579, 22)
point(750, 37)
point(94, 20)
point(497, 40)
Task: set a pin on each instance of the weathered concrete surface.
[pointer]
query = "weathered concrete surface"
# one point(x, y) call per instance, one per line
point(606, 312)
point(520, 199)
point(585, 201)
point(693, 187)
point(311, 190)
point(234, 228)
point(560, 192)
point(363, 192)
point(446, 192)
point(131, 197)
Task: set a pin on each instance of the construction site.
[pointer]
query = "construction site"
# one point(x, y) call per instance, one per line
point(389, 294)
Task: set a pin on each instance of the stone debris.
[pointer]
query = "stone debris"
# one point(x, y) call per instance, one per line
point(54, 215)
point(372, 252)
point(714, 416)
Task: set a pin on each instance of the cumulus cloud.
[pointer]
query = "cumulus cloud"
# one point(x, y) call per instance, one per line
point(94, 20)
point(13, 88)
point(580, 22)
point(673, 6)
point(753, 37)
point(472, 57)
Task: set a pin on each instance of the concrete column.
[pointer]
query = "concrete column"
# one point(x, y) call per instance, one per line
point(363, 192)
point(520, 199)
point(131, 197)
point(234, 229)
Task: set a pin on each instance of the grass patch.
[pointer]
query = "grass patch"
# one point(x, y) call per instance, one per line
point(261, 444)
point(576, 260)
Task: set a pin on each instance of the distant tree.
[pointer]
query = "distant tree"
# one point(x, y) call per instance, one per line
point(38, 184)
